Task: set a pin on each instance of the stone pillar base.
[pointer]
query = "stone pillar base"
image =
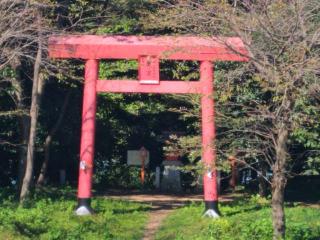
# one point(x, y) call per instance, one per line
point(211, 210)
point(84, 207)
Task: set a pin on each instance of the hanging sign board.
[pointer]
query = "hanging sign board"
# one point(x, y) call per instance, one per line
point(134, 158)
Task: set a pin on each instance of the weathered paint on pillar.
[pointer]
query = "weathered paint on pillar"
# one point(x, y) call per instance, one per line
point(87, 132)
point(208, 136)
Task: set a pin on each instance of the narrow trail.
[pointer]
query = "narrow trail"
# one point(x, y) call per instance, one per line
point(155, 220)
point(161, 206)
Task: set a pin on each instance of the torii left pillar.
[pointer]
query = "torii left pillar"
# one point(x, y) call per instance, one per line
point(87, 137)
point(208, 138)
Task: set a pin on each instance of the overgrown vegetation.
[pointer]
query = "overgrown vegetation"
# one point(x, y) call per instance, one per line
point(243, 219)
point(50, 215)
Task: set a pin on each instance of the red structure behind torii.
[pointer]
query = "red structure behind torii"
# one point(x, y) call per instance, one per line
point(148, 50)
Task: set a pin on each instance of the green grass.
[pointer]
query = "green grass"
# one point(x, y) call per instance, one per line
point(51, 216)
point(242, 220)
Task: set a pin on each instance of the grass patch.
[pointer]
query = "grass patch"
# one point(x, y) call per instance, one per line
point(242, 220)
point(52, 217)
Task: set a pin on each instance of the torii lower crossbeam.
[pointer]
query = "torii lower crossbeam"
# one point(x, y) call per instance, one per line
point(148, 51)
point(131, 86)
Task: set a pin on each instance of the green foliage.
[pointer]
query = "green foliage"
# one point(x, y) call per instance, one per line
point(118, 69)
point(122, 176)
point(306, 134)
point(51, 216)
point(242, 220)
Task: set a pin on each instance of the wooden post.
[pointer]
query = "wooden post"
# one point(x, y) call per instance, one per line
point(143, 156)
point(87, 138)
point(208, 137)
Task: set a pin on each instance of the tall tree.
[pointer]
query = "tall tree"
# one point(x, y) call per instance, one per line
point(24, 27)
point(283, 41)
point(19, 27)
point(37, 88)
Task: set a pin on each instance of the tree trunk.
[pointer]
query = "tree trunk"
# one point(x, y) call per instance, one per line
point(35, 97)
point(234, 173)
point(25, 128)
point(263, 184)
point(48, 141)
point(24, 119)
point(278, 185)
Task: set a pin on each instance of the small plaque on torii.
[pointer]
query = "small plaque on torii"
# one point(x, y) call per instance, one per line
point(149, 70)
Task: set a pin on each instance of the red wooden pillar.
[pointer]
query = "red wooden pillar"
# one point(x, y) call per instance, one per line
point(208, 137)
point(87, 137)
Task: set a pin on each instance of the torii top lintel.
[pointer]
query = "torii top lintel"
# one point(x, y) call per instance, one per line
point(163, 47)
point(148, 50)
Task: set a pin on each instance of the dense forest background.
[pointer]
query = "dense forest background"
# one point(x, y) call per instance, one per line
point(267, 110)
point(128, 121)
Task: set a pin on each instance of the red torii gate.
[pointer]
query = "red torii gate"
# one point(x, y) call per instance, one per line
point(148, 50)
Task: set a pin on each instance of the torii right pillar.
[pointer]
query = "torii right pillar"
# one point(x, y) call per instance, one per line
point(208, 138)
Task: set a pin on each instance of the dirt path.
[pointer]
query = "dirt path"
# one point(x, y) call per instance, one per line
point(154, 223)
point(161, 206)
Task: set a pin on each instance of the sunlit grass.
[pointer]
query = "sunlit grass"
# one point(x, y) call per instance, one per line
point(242, 220)
point(53, 218)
